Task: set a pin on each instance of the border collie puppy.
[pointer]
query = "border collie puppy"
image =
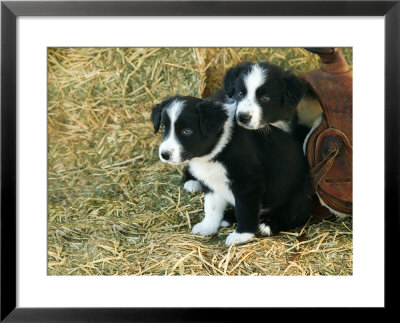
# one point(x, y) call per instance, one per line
point(266, 96)
point(263, 175)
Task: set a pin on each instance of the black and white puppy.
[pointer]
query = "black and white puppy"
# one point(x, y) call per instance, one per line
point(265, 96)
point(263, 175)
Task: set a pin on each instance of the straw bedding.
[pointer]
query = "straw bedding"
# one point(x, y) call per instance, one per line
point(115, 209)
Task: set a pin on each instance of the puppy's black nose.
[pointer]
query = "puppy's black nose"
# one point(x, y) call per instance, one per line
point(166, 155)
point(244, 117)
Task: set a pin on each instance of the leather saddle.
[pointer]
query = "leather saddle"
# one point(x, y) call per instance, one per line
point(329, 145)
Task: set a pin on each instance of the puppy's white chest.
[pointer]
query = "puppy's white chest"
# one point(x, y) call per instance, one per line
point(213, 174)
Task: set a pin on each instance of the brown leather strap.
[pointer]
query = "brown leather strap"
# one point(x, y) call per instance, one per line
point(335, 203)
point(319, 171)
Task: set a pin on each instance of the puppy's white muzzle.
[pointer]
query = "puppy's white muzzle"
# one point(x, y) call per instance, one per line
point(248, 114)
point(170, 152)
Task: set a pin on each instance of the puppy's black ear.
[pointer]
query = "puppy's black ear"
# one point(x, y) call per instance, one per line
point(212, 117)
point(294, 89)
point(156, 116)
point(231, 76)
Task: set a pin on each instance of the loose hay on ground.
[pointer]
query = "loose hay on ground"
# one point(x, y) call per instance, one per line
point(114, 209)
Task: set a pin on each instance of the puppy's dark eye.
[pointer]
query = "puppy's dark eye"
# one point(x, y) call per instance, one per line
point(265, 98)
point(163, 128)
point(187, 132)
point(240, 94)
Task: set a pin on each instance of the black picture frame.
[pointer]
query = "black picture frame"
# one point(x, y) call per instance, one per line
point(11, 10)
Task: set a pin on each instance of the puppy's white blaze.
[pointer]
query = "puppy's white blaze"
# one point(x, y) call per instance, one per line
point(192, 186)
point(252, 81)
point(285, 126)
point(236, 238)
point(264, 229)
point(171, 144)
point(255, 78)
point(214, 206)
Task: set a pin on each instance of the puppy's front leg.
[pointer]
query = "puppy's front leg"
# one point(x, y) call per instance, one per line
point(191, 184)
point(247, 206)
point(214, 206)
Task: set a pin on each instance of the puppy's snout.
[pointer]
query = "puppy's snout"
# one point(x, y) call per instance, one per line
point(244, 117)
point(166, 155)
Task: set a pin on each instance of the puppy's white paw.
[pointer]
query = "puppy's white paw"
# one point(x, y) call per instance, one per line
point(204, 229)
point(236, 238)
point(192, 186)
point(224, 224)
point(265, 230)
